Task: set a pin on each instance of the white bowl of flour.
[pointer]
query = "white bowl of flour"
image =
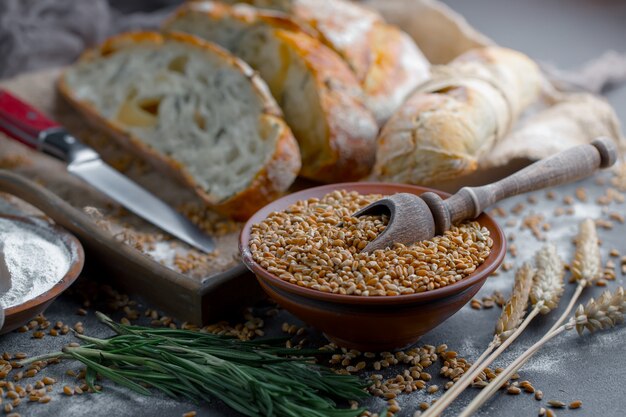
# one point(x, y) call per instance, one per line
point(37, 262)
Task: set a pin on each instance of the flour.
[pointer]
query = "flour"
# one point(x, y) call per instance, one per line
point(34, 258)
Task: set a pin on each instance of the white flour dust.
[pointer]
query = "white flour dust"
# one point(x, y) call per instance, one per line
point(32, 260)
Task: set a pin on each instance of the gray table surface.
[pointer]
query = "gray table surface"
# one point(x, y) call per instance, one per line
point(565, 32)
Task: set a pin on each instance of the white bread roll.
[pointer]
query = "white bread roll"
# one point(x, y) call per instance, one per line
point(452, 120)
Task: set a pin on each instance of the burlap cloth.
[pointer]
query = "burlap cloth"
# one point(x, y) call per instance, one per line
point(37, 34)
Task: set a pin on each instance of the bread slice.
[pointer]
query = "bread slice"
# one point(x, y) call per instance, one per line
point(385, 60)
point(191, 109)
point(320, 97)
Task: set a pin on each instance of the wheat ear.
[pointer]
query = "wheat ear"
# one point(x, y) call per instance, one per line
point(547, 288)
point(544, 287)
point(586, 267)
point(605, 312)
point(510, 319)
point(587, 264)
point(515, 309)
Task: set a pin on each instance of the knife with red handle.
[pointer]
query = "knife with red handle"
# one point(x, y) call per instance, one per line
point(21, 122)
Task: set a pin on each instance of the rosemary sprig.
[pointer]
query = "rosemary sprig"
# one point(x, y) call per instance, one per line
point(253, 378)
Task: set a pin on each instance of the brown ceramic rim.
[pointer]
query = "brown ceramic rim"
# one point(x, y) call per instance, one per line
point(76, 250)
point(492, 262)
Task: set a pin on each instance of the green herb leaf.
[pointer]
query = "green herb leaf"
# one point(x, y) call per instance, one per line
point(259, 378)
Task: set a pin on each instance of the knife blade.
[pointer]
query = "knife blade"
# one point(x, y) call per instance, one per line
point(27, 125)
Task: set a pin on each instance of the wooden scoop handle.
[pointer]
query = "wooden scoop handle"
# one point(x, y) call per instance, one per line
point(567, 166)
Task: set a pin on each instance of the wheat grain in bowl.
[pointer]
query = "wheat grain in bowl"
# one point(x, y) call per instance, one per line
point(317, 243)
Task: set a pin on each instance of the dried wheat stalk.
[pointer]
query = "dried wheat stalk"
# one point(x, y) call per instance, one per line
point(547, 288)
point(587, 265)
point(544, 294)
point(515, 309)
point(510, 324)
point(605, 312)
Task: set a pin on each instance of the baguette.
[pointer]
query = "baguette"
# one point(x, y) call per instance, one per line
point(192, 110)
point(385, 60)
point(458, 116)
point(320, 97)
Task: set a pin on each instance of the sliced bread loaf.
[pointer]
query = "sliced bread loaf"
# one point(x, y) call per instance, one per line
point(191, 109)
point(385, 60)
point(320, 97)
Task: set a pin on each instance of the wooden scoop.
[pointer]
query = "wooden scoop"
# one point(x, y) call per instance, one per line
point(413, 218)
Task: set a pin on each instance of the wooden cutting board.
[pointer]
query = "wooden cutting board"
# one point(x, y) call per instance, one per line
point(185, 283)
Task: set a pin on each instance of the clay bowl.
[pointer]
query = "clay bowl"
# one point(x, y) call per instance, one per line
point(371, 323)
point(17, 315)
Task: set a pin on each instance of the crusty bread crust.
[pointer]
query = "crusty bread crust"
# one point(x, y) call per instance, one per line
point(386, 61)
point(351, 136)
point(457, 117)
point(516, 75)
point(250, 15)
point(423, 144)
point(347, 150)
point(268, 184)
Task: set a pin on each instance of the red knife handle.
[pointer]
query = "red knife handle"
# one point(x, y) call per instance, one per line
point(21, 121)
point(24, 123)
